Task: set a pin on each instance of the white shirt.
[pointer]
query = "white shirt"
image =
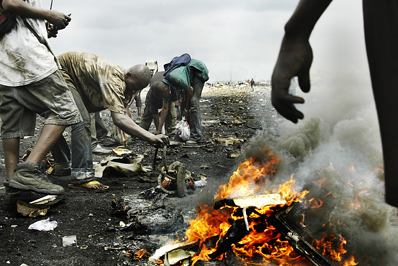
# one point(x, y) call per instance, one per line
point(23, 59)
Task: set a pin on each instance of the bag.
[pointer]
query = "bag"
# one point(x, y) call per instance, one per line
point(183, 130)
point(178, 61)
point(7, 21)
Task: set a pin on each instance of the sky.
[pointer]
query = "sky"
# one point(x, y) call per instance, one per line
point(237, 40)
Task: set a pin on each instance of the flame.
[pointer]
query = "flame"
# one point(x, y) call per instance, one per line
point(140, 253)
point(250, 176)
point(265, 244)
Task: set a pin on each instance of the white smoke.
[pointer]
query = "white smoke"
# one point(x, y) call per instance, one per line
point(340, 134)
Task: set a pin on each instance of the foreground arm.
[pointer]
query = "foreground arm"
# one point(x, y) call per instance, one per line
point(19, 7)
point(295, 57)
point(127, 124)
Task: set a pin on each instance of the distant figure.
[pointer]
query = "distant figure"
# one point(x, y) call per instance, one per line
point(381, 36)
point(153, 66)
point(252, 83)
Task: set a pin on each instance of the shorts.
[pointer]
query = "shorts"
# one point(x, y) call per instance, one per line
point(49, 97)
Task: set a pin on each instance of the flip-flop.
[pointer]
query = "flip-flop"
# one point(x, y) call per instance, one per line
point(89, 186)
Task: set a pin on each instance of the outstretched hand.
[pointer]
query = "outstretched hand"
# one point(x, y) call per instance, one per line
point(295, 59)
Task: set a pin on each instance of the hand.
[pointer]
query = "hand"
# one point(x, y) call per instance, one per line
point(51, 30)
point(159, 141)
point(185, 113)
point(58, 19)
point(295, 59)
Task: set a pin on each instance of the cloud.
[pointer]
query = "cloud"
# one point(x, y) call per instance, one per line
point(236, 39)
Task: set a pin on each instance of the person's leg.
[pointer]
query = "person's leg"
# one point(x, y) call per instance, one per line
point(93, 131)
point(102, 132)
point(28, 175)
point(82, 160)
point(194, 116)
point(48, 136)
point(11, 155)
point(52, 99)
point(381, 35)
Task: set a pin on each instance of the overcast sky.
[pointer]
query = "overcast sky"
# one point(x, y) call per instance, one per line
point(236, 39)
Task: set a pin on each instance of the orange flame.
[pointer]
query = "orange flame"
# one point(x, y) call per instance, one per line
point(251, 178)
point(140, 253)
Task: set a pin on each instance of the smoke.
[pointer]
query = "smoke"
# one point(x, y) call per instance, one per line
point(335, 153)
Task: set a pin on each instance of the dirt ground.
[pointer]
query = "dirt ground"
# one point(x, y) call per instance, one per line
point(227, 111)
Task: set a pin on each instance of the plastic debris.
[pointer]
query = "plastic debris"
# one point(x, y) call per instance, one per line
point(69, 240)
point(201, 183)
point(43, 225)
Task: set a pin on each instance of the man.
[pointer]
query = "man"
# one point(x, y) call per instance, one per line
point(381, 36)
point(160, 96)
point(188, 76)
point(30, 84)
point(98, 84)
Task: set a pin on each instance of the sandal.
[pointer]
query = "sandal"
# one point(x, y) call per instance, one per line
point(92, 185)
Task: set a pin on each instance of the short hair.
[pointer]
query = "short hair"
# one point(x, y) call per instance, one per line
point(158, 89)
point(141, 74)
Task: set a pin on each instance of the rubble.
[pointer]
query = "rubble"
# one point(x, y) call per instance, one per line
point(103, 239)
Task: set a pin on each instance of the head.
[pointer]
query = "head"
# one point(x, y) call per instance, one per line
point(160, 90)
point(152, 65)
point(137, 78)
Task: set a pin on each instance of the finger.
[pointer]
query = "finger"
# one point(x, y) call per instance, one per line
point(291, 114)
point(304, 82)
point(287, 109)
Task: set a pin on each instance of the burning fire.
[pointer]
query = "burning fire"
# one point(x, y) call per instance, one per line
point(265, 245)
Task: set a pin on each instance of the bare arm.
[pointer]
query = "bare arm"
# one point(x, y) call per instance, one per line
point(188, 97)
point(295, 57)
point(129, 104)
point(156, 121)
point(163, 115)
point(127, 124)
point(19, 7)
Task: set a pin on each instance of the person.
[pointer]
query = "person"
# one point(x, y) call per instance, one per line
point(98, 84)
point(30, 84)
point(252, 83)
point(381, 38)
point(160, 96)
point(153, 67)
point(188, 76)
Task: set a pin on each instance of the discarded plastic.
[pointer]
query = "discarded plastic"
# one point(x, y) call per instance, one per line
point(69, 240)
point(43, 225)
point(201, 183)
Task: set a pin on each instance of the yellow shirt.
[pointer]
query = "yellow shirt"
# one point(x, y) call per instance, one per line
point(100, 82)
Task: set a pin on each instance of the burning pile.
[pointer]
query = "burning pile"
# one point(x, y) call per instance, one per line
point(262, 226)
